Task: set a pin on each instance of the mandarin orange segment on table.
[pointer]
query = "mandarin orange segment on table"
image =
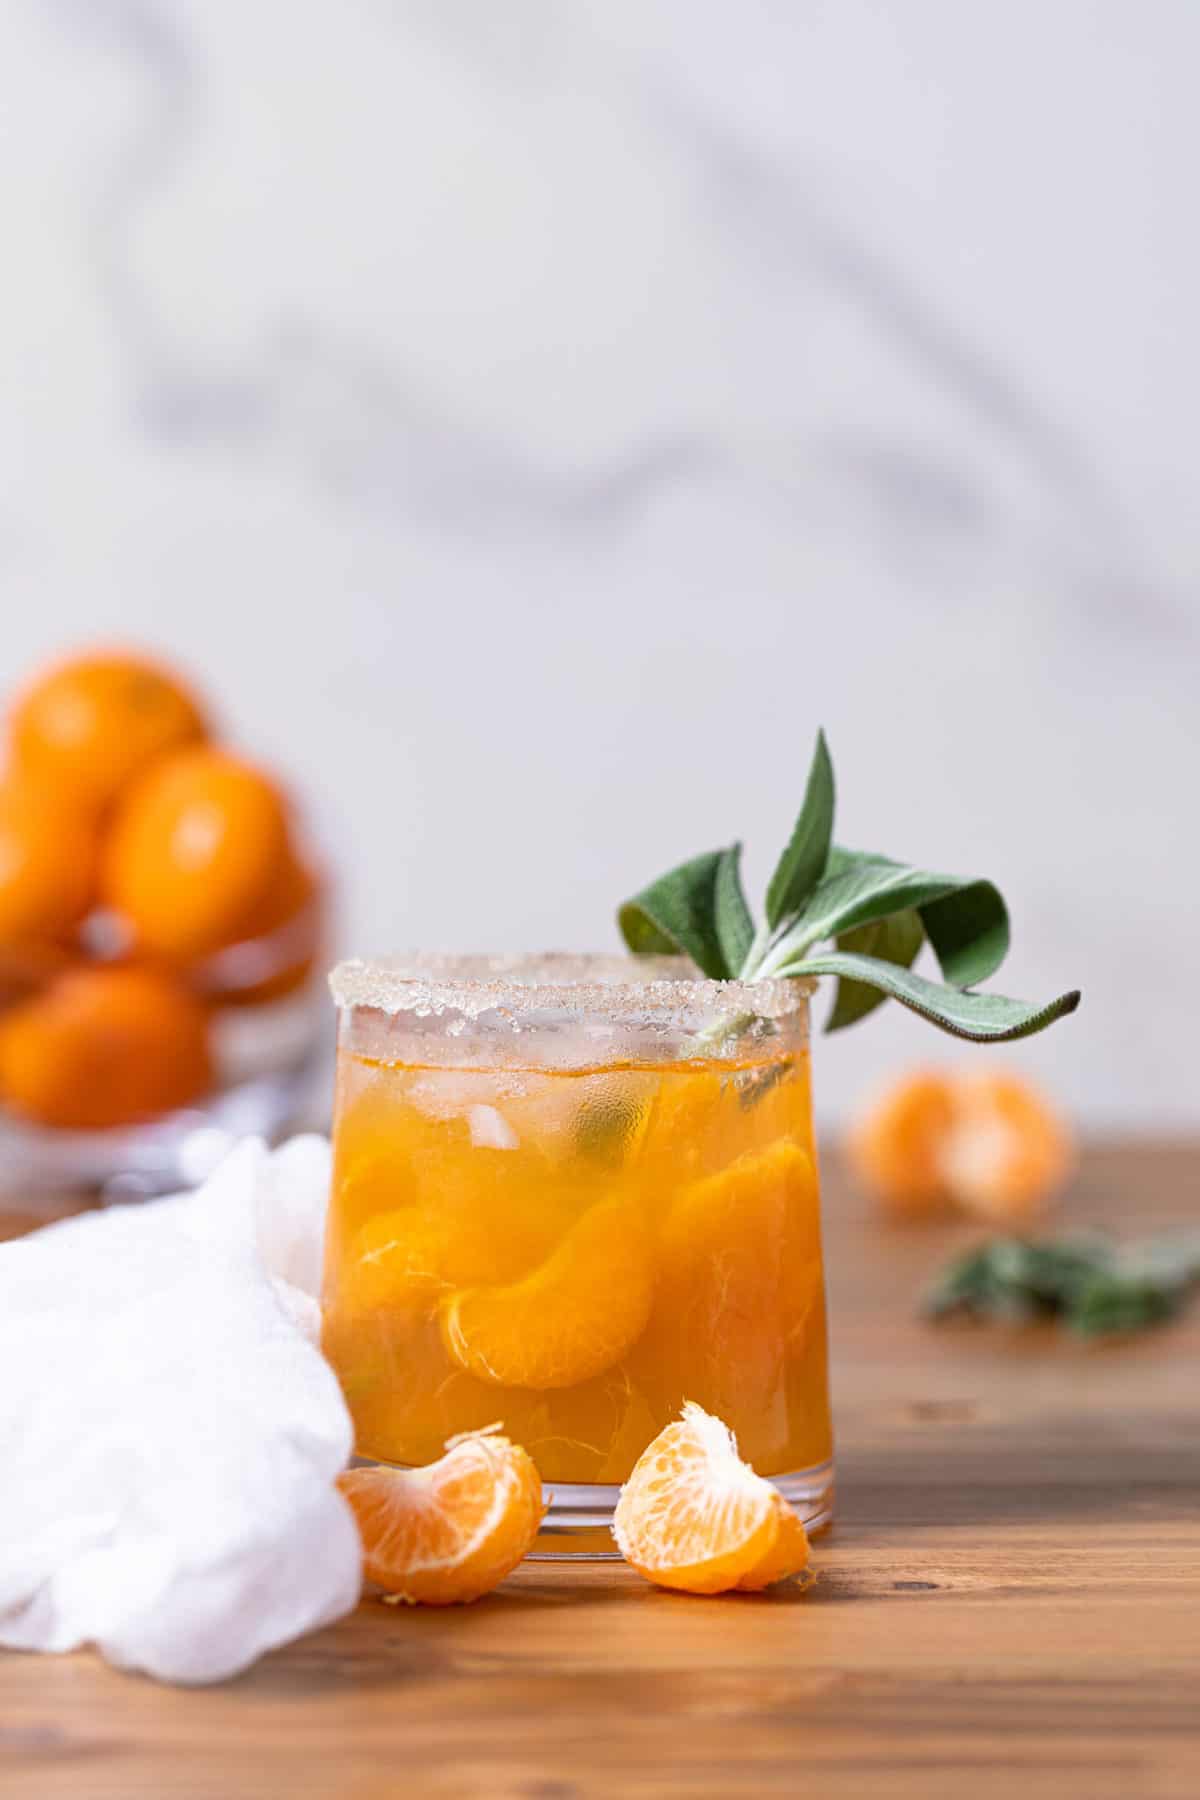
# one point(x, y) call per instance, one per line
point(448, 1533)
point(575, 1254)
point(694, 1516)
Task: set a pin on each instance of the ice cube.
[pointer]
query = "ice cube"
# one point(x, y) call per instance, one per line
point(490, 1129)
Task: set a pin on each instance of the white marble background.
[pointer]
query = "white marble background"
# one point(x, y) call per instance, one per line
point(532, 419)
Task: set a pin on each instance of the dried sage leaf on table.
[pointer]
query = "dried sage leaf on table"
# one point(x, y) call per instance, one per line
point(1093, 1285)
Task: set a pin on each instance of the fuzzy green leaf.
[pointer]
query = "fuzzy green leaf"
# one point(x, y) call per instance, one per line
point(802, 864)
point(981, 1018)
point(678, 913)
point(860, 888)
point(898, 940)
point(735, 926)
point(1093, 1285)
point(1116, 1304)
point(968, 929)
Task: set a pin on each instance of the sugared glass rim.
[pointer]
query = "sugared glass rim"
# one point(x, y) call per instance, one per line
point(556, 981)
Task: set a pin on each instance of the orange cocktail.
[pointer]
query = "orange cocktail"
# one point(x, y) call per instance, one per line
point(569, 1195)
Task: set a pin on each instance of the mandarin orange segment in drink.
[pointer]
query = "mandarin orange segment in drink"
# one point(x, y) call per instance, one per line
point(575, 1251)
point(751, 1230)
point(570, 1319)
point(403, 1259)
point(739, 1298)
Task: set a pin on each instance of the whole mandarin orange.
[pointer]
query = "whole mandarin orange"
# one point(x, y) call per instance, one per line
point(103, 1047)
point(194, 851)
point(1009, 1151)
point(29, 965)
point(92, 723)
point(49, 851)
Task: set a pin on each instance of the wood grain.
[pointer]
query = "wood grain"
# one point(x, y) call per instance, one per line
point(1008, 1605)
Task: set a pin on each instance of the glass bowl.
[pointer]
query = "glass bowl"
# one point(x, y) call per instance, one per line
point(267, 1050)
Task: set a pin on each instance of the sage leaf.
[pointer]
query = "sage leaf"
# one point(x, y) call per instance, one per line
point(968, 929)
point(678, 913)
point(964, 1285)
point(981, 1018)
point(735, 926)
point(896, 939)
point(1095, 1287)
point(967, 926)
point(802, 864)
point(1116, 1303)
point(860, 887)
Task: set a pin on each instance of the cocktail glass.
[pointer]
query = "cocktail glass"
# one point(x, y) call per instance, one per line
point(569, 1194)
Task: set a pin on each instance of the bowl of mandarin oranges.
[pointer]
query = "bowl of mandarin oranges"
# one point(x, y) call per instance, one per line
point(163, 920)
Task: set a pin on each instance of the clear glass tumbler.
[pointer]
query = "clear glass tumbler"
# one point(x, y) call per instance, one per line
point(569, 1194)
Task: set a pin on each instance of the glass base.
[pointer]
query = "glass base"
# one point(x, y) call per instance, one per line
point(579, 1520)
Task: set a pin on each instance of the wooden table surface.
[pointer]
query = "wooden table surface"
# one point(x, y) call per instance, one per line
point(1009, 1604)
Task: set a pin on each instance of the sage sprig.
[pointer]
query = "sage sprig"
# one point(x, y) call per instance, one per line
point(877, 913)
point(1094, 1287)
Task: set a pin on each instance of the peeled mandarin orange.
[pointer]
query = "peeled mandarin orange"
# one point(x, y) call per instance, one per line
point(104, 1046)
point(694, 1516)
point(49, 849)
point(89, 725)
point(1008, 1151)
point(450, 1532)
point(983, 1139)
point(571, 1318)
point(896, 1148)
point(193, 852)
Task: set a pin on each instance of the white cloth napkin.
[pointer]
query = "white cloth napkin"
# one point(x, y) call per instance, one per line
point(169, 1432)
